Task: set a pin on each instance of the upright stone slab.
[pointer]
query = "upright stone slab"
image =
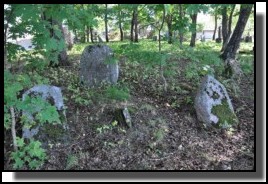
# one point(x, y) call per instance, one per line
point(46, 133)
point(98, 65)
point(123, 117)
point(213, 105)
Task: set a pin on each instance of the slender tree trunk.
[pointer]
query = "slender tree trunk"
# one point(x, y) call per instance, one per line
point(132, 28)
point(62, 56)
point(216, 25)
point(159, 45)
point(234, 43)
point(106, 23)
point(224, 27)
point(75, 34)
point(181, 18)
point(83, 37)
point(230, 22)
point(91, 34)
point(229, 32)
point(13, 128)
point(194, 18)
point(87, 30)
point(136, 38)
point(169, 25)
point(120, 27)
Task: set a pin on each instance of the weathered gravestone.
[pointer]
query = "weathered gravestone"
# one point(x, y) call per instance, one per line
point(47, 132)
point(123, 117)
point(98, 65)
point(213, 105)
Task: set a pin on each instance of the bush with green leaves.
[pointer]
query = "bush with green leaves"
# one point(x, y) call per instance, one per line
point(29, 155)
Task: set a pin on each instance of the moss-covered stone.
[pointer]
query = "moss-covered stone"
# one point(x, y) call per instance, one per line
point(226, 116)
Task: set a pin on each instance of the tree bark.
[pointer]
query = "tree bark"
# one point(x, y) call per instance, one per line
point(230, 22)
point(91, 34)
point(13, 128)
point(194, 18)
point(120, 27)
point(132, 28)
point(229, 32)
point(62, 56)
point(106, 22)
point(169, 25)
point(216, 25)
point(87, 30)
point(181, 18)
point(224, 26)
point(234, 43)
point(159, 44)
point(136, 39)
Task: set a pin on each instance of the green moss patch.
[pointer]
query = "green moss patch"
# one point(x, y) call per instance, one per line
point(226, 117)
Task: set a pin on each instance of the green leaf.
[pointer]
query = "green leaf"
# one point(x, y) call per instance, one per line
point(49, 114)
point(20, 142)
point(18, 163)
point(114, 123)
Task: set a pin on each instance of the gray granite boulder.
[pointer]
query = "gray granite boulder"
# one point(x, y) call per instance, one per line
point(53, 95)
point(213, 105)
point(98, 65)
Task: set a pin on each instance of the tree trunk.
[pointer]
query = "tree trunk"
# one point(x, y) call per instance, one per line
point(181, 18)
point(194, 18)
point(136, 25)
point(159, 41)
point(75, 34)
point(120, 27)
point(216, 25)
point(234, 43)
point(169, 25)
point(132, 28)
point(83, 37)
point(224, 27)
point(229, 32)
point(13, 129)
point(106, 23)
point(87, 30)
point(91, 34)
point(230, 22)
point(63, 57)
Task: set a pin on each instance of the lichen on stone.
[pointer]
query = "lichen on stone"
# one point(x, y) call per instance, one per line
point(226, 117)
point(212, 103)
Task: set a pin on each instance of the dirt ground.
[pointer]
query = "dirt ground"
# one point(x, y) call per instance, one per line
point(163, 136)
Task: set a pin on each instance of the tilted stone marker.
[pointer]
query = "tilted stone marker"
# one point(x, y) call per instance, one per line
point(98, 65)
point(213, 105)
point(53, 95)
point(123, 117)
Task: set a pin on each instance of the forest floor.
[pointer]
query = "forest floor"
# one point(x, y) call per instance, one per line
point(166, 134)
